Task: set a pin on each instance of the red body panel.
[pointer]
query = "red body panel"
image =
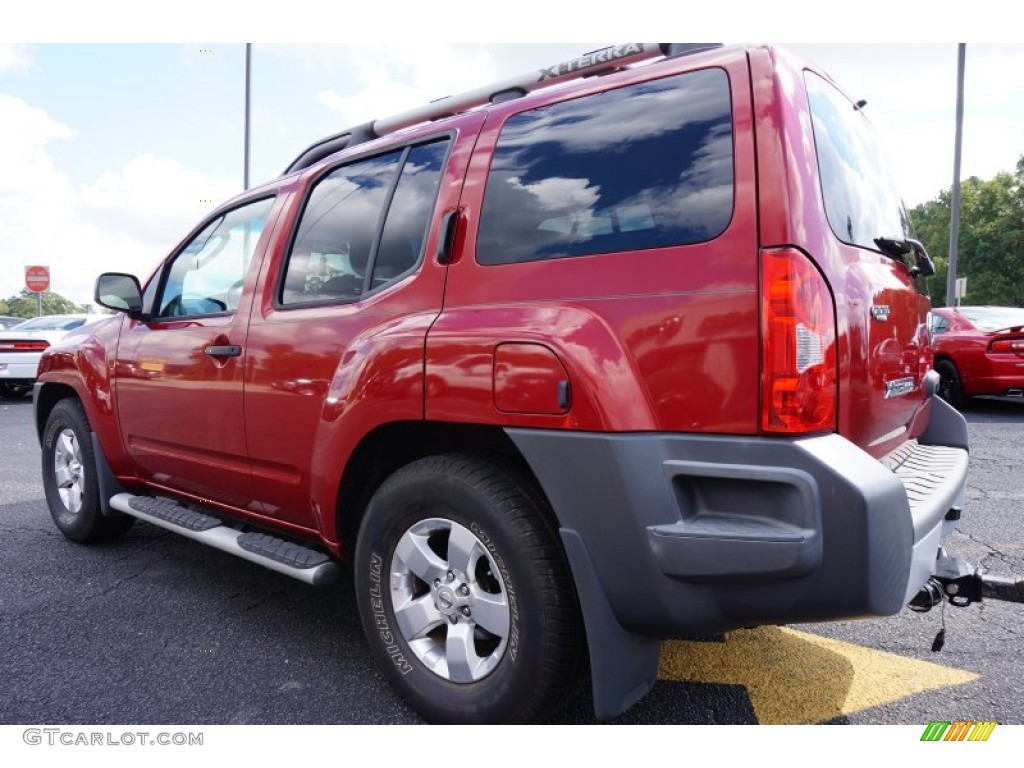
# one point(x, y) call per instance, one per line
point(318, 379)
point(647, 337)
point(871, 353)
point(85, 364)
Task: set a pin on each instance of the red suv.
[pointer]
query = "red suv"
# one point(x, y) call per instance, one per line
point(625, 349)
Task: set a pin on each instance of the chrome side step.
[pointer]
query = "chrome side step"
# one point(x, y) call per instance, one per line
point(302, 563)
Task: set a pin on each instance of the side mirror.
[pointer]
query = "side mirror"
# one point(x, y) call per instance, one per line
point(120, 292)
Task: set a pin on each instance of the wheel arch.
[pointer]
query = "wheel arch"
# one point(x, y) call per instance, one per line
point(391, 446)
point(942, 360)
point(623, 666)
point(45, 397)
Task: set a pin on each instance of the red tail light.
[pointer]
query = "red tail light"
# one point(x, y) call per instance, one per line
point(23, 346)
point(799, 378)
point(1008, 345)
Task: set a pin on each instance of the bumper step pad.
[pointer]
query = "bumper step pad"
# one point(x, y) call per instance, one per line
point(932, 476)
point(285, 557)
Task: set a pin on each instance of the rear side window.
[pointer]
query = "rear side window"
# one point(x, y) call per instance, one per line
point(645, 166)
point(346, 246)
point(937, 323)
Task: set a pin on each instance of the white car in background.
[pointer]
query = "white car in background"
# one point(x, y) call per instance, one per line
point(6, 321)
point(22, 346)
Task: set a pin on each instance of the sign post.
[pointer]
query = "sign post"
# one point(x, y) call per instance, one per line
point(37, 280)
point(961, 289)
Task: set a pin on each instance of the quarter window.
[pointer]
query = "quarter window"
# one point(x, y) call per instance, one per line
point(938, 323)
point(645, 166)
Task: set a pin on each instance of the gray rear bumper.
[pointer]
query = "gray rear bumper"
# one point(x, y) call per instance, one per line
point(691, 535)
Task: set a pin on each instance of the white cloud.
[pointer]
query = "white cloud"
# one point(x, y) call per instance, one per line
point(124, 221)
point(15, 58)
point(26, 168)
point(385, 80)
point(154, 199)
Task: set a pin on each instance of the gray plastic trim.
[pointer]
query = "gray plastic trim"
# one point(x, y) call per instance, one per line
point(692, 535)
point(722, 535)
point(946, 426)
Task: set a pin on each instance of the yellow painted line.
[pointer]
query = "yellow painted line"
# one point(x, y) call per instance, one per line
point(796, 677)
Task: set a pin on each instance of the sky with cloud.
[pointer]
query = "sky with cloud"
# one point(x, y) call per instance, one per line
point(111, 153)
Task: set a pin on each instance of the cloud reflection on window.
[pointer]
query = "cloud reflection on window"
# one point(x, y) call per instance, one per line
point(645, 166)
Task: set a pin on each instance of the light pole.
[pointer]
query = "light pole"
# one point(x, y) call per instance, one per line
point(954, 210)
point(248, 110)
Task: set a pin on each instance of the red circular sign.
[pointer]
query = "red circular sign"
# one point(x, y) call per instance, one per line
point(37, 278)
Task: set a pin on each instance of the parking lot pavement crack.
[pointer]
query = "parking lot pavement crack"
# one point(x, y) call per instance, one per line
point(256, 604)
point(116, 585)
point(992, 551)
point(985, 616)
point(974, 489)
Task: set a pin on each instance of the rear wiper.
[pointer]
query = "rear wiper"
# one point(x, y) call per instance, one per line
point(898, 247)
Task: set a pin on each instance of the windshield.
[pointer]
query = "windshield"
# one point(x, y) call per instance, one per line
point(993, 318)
point(861, 200)
point(52, 323)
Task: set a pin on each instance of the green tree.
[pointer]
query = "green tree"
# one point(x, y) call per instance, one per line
point(24, 305)
point(991, 248)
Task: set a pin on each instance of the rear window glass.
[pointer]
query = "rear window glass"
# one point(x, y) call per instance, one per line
point(993, 318)
point(52, 324)
point(861, 199)
point(645, 166)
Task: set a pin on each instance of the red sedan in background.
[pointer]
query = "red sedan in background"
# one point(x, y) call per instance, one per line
point(978, 351)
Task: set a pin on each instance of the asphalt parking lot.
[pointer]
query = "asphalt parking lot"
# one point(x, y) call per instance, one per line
point(156, 629)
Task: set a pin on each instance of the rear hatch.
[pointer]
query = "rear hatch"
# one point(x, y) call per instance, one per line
point(881, 313)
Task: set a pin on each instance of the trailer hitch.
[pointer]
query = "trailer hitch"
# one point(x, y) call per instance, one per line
point(962, 584)
point(959, 583)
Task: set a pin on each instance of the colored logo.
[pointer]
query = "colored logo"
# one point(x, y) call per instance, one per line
point(959, 730)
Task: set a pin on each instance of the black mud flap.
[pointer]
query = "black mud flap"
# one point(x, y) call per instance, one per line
point(623, 665)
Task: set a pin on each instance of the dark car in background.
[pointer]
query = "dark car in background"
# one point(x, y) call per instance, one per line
point(978, 351)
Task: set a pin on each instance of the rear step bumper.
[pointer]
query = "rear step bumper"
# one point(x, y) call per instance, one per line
point(285, 557)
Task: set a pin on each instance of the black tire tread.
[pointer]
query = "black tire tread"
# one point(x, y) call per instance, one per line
point(955, 392)
point(90, 525)
point(522, 509)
